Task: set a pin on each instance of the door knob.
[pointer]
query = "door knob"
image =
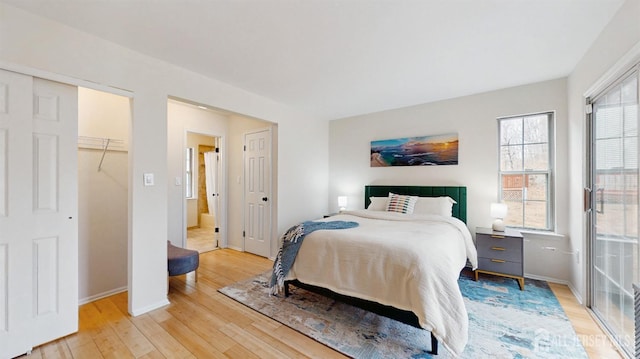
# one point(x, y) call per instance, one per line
point(264, 199)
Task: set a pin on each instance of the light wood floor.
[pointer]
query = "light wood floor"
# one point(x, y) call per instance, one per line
point(201, 239)
point(596, 343)
point(202, 323)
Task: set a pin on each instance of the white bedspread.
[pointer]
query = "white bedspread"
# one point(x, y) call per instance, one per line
point(409, 262)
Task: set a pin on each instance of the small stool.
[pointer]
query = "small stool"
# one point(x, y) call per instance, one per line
point(182, 261)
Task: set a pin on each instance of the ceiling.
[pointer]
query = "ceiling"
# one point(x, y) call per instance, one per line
point(339, 58)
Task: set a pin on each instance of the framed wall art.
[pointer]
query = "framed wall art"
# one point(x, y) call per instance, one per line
point(433, 150)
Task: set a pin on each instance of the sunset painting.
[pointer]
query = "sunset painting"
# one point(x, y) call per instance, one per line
point(415, 151)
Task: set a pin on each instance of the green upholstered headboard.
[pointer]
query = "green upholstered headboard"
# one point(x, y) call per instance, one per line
point(459, 194)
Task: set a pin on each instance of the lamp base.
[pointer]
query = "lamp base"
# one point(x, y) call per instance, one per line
point(498, 225)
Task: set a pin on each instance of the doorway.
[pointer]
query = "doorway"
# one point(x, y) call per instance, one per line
point(104, 120)
point(202, 163)
point(613, 228)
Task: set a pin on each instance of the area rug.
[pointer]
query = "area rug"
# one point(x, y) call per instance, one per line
point(504, 322)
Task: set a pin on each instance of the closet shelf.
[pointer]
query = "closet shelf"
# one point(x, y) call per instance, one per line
point(101, 143)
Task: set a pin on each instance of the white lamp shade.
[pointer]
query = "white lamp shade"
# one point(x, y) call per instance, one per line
point(342, 202)
point(498, 210)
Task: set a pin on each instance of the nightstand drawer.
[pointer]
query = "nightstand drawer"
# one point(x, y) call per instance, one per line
point(500, 248)
point(500, 266)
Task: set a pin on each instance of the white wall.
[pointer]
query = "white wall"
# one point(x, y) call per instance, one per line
point(102, 114)
point(474, 119)
point(45, 48)
point(618, 38)
point(102, 196)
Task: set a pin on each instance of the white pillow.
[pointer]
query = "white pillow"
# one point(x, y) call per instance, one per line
point(378, 203)
point(441, 206)
point(401, 203)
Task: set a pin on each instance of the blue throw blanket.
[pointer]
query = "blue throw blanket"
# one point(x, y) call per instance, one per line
point(291, 242)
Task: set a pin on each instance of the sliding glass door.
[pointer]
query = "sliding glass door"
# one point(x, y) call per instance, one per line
point(614, 214)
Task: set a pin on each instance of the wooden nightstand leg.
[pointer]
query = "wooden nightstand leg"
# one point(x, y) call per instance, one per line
point(521, 283)
point(475, 272)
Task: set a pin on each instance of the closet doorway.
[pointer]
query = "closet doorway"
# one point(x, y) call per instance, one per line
point(202, 163)
point(104, 120)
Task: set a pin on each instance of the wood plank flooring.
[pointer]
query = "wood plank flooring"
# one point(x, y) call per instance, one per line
point(595, 342)
point(201, 239)
point(202, 323)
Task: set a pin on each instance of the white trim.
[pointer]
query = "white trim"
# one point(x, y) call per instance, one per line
point(550, 172)
point(575, 293)
point(618, 69)
point(149, 308)
point(98, 296)
point(546, 279)
point(527, 115)
point(64, 79)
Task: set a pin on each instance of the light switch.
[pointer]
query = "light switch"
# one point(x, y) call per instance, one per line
point(148, 179)
point(178, 181)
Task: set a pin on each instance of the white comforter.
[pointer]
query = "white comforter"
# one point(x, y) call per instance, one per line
point(409, 262)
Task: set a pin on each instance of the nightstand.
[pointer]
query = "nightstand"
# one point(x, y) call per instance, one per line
point(500, 253)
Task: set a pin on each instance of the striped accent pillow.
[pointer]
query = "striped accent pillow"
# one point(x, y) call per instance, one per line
point(400, 203)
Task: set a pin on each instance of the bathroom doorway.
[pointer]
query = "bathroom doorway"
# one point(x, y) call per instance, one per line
point(202, 163)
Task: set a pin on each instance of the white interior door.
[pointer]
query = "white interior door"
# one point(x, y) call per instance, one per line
point(38, 212)
point(257, 189)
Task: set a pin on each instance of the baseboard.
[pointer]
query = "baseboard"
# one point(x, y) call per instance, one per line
point(149, 308)
point(241, 250)
point(546, 279)
point(575, 293)
point(109, 293)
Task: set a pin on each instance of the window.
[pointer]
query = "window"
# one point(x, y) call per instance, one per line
point(526, 170)
point(188, 178)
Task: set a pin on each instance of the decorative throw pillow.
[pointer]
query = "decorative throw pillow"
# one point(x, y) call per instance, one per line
point(378, 203)
point(441, 206)
point(400, 203)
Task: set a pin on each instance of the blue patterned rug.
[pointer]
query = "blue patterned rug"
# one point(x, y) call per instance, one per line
point(504, 322)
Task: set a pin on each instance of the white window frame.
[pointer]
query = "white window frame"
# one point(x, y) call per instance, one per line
point(549, 172)
point(188, 175)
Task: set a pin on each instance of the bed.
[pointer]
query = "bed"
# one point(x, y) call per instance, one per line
point(399, 265)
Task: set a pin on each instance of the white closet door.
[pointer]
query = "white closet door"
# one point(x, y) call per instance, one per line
point(38, 212)
point(257, 193)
